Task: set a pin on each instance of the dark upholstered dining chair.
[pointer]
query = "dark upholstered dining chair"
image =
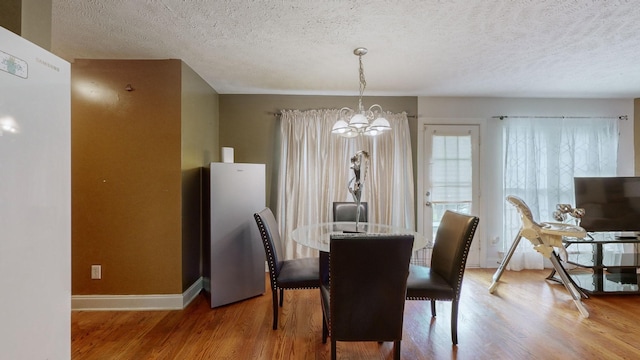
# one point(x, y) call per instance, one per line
point(363, 299)
point(443, 279)
point(284, 274)
point(346, 211)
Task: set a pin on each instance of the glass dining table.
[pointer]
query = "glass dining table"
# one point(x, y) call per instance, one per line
point(317, 236)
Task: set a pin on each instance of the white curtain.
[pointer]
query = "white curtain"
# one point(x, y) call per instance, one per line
point(314, 171)
point(541, 158)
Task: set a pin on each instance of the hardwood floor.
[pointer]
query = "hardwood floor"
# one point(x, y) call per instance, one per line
point(526, 318)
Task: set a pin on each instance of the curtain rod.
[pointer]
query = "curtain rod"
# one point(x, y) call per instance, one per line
point(502, 117)
point(279, 113)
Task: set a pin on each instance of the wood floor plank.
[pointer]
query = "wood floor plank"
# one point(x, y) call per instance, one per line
point(527, 317)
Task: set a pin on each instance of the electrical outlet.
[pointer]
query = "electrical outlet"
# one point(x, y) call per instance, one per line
point(96, 272)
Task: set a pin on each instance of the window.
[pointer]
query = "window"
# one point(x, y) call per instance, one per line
point(541, 158)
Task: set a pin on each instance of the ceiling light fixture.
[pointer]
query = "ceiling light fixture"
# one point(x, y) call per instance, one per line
point(370, 122)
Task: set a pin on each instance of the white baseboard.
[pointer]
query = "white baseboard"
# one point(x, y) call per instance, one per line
point(192, 292)
point(493, 262)
point(136, 302)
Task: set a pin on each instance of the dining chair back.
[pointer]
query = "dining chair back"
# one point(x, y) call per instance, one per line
point(363, 299)
point(300, 273)
point(443, 279)
point(346, 211)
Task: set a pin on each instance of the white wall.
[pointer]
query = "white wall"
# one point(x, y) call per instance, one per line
point(35, 202)
point(444, 110)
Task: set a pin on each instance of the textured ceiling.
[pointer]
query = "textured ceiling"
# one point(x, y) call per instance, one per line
point(505, 48)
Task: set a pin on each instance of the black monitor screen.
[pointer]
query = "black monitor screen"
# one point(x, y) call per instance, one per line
point(610, 203)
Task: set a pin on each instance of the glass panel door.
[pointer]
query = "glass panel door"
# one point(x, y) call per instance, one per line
point(451, 178)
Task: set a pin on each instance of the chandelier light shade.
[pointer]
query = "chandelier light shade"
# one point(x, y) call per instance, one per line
point(370, 122)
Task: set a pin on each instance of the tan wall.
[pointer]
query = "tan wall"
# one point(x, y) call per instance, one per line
point(126, 176)
point(30, 19)
point(36, 22)
point(11, 15)
point(199, 148)
point(248, 124)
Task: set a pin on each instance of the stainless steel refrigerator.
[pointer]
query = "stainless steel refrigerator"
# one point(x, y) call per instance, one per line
point(234, 258)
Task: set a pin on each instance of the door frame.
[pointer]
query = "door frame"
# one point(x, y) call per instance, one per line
point(480, 238)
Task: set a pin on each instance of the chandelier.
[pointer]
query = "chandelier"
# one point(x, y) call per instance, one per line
point(370, 122)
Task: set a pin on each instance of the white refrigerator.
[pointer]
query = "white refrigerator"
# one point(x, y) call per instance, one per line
point(234, 257)
point(35, 201)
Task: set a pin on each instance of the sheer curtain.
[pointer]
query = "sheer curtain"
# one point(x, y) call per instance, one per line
point(314, 171)
point(541, 158)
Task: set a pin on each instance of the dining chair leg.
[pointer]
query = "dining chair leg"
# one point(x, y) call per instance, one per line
point(281, 296)
point(433, 308)
point(333, 349)
point(396, 350)
point(454, 322)
point(275, 309)
point(325, 329)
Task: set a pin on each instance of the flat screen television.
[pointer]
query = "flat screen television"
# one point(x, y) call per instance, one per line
point(610, 203)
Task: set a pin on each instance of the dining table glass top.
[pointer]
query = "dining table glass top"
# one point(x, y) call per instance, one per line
point(317, 236)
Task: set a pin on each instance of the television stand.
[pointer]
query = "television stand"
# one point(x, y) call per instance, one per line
point(600, 267)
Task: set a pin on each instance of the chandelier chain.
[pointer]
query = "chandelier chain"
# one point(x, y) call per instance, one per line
point(363, 84)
